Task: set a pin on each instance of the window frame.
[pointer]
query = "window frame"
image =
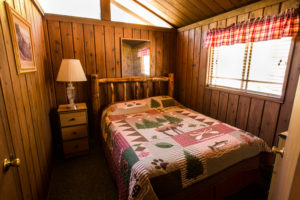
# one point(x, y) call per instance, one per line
point(249, 93)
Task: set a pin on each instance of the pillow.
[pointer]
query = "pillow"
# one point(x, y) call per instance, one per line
point(128, 107)
point(141, 105)
point(161, 102)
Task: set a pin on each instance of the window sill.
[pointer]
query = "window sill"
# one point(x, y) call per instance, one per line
point(265, 97)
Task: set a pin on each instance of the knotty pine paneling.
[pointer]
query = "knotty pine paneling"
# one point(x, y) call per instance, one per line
point(262, 117)
point(243, 112)
point(195, 66)
point(222, 110)
point(183, 66)
point(180, 13)
point(97, 45)
point(28, 103)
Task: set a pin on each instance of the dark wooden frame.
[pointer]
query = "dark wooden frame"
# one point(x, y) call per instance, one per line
point(11, 14)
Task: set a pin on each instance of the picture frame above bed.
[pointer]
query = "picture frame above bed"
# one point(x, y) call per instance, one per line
point(22, 40)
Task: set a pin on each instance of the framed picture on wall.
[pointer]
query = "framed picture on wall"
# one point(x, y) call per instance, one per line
point(22, 40)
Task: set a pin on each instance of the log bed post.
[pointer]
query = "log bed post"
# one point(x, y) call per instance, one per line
point(147, 91)
point(112, 92)
point(171, 85)
point(124, 90)
point(137, 85)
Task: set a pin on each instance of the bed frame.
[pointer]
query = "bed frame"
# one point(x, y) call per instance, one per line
point(255, 170)
point(138, 82)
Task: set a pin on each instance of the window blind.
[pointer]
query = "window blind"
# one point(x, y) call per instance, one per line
point(252, 67)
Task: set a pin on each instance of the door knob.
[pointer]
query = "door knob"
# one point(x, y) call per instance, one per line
point(277, 150)
point(11, 163)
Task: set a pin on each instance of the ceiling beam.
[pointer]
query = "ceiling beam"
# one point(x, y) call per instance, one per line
point(130, 12)
point(105, 10)
point(154, 13)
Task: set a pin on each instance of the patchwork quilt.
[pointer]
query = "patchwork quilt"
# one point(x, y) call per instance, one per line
point(157, 136)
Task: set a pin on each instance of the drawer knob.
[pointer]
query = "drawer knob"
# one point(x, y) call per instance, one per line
point(76, 146)
point(72, 119)
point(74, 133)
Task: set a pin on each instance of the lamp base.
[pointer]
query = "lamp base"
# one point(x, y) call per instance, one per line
point(71, 92)
point(73, 107)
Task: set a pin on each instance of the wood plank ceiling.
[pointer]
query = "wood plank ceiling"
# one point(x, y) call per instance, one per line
point(179, 13)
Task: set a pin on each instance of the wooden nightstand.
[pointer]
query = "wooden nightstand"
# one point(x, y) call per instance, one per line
point(74, 129)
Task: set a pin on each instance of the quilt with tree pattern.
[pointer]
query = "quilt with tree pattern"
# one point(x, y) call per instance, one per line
point(156, 136)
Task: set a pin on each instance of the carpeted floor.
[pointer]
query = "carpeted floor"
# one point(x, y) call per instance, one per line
point(252, 192)
point(83, 177)
point(88, 178)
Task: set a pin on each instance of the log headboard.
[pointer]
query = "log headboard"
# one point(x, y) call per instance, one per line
point(124, 82)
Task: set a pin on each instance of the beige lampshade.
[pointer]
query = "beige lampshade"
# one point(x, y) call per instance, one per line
point(70, 71)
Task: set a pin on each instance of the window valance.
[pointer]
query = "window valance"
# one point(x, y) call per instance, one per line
point(266, 28)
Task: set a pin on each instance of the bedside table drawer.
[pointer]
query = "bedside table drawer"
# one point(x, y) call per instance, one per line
point(69, 119)
point(74, 132)
point(76, 146)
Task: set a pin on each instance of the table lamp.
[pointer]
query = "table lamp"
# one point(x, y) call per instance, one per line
point(71, 71)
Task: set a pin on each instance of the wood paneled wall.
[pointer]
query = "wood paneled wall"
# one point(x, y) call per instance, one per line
point(26, 98)
point(261, 116)
point(97, 45)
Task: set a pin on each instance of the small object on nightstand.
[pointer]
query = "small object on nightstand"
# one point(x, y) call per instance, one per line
point(74, 129)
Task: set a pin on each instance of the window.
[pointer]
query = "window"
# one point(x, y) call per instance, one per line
point(77, 8)
point(146, 65)
point(257, 67)
point(129, 11)
point(119, 15)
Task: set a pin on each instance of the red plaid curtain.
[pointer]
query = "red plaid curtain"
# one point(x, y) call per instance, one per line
point(144, 52)
point(260, 29)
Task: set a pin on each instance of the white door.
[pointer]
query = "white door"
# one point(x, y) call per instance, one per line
point(287, 172)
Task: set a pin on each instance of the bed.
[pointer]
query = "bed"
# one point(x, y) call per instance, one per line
point(159, 149)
